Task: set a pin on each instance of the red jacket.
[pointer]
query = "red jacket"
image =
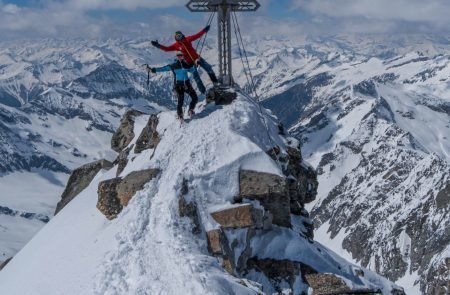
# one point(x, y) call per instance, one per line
point(185, 46)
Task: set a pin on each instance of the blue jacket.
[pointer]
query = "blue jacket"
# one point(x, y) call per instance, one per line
point(180, 69)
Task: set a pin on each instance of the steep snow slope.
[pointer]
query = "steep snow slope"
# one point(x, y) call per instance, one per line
point(149, 249)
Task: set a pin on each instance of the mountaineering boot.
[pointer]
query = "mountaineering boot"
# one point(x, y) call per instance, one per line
point(191, 113)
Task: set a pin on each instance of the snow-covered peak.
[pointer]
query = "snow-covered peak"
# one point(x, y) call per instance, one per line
point(149, 248)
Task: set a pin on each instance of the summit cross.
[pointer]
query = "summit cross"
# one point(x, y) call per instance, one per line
point(223, 9)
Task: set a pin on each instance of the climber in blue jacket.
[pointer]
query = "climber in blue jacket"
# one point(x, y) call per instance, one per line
point(182, 82)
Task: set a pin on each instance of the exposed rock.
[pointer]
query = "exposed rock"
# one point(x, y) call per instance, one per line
point(239, 216)
point(324, 284)
point(134, 182)
point(79, 180)
point(443, 198)
point(215, 238)
point(4, 263)
point(122, 160)
point(281, 272)
point(220, 96)
point(115, 193)
point(189, 209)
point(227, 264)
point(125, 133)
point(439, 278)
point(270, 190)
point(149, 137)
point(108, 202)
point(302, 180)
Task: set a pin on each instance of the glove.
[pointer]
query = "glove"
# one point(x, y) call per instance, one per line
point(206, 29)
point(155, 43)
point(149, 69)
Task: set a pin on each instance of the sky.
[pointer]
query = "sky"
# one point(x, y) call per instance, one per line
point(150, 18)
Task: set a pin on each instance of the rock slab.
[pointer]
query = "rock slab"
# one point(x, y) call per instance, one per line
point(114, 194)
point(79, 180)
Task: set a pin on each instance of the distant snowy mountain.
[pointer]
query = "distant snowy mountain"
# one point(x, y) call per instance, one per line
point(59, 104)
point(357, 104)
point(377, 131)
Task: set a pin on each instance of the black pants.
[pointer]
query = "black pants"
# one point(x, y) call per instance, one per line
point(181, 88)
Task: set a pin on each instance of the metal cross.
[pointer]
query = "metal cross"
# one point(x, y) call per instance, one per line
point(223, 9)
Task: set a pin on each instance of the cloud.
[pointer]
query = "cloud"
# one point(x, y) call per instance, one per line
point(435, 12)
point(86, 5)
point(73, 18)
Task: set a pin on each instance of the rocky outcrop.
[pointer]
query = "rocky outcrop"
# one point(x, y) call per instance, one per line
point(108, 201)
point(239, 217)
point(114, 194)
point(125, 133)
point(439, 277)
point(149, 137)
point(215, 239)
point(443, 198)
point(270, 190)
point(122, 160)
point(324, 284)
point(79, 180)
point(302, 179)
point(280, 272)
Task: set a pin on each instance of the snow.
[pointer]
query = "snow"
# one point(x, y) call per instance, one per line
point(28, 192)
point(149, 249)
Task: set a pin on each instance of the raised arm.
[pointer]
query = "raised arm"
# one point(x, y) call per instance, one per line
point(194, 37)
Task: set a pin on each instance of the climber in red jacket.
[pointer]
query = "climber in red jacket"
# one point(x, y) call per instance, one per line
point(184, 44)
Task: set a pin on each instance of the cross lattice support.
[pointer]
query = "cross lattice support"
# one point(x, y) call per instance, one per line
point(223, 9)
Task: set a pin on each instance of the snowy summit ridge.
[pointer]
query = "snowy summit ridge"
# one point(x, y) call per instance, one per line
point(245, 242)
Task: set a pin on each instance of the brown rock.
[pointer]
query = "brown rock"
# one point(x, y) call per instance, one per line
point(324, 284)
point(227, 264)
point(79, 180)
point(214, 241)
point(125, 133)
point(254, 183)
point(122, 160)
point(134, 182)
point(108, 202)
point(270, 190)
point(238, 217)
point(149, 137)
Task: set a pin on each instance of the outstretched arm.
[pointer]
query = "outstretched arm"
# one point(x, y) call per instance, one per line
point(198, 35)
point(164, 48)
point(162, 69)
